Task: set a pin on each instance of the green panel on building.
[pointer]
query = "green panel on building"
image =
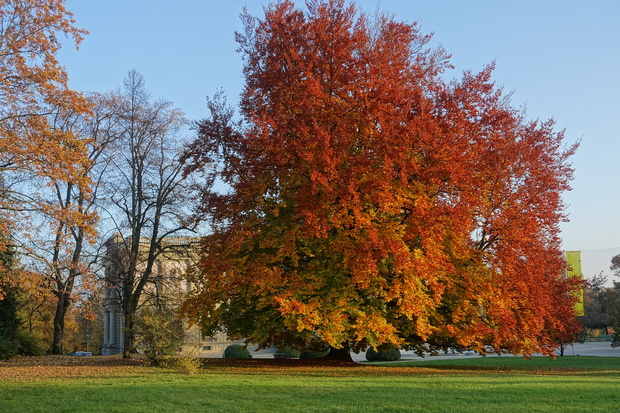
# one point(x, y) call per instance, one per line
point(573, 258)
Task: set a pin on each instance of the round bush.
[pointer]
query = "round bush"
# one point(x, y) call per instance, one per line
point(383, 353)
point(236, 351)
point(311, 354)
point(286, 353)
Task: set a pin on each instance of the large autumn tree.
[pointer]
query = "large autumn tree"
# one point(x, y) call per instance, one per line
point(361, 200)
point(34, 153)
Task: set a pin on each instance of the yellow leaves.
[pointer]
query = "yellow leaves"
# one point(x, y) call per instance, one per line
point(375, 329)
point(330, 320)
point(300, 315)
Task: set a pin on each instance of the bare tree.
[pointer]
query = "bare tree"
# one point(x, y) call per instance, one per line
point(146, 195)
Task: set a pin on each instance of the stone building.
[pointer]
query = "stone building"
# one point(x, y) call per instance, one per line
point(167, 286)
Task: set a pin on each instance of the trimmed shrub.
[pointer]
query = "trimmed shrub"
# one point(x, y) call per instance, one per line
point(236, 351)
point(286, 353)
point(312, 354)
point(383, 353)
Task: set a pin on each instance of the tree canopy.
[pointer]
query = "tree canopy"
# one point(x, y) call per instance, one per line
point(362, 200)
point(34, 87)
point(36, 152)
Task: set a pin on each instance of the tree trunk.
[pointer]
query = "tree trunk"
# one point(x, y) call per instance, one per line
point(128, 334)
point(59, 322)
point(563, 347)
point(341, 354)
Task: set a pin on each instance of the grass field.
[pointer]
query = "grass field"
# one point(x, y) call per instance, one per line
point(494, 384)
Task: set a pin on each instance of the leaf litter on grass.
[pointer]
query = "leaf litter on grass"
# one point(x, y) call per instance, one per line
point(62, 367)
point(53, 367)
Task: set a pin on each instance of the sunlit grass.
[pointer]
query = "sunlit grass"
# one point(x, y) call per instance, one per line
point(498, 384)
point(520, 363)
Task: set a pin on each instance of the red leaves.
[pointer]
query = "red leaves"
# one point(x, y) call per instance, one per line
point(419, 210)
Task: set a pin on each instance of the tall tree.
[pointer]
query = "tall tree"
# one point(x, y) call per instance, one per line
point(63, 256)
point(147, 194)
point(615, 265)
point(595, 302)
point(366, 201)
point(611, 302)
point(9, 319)
point(33, 86)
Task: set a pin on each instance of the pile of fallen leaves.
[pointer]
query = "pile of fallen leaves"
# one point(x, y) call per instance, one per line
point(56, 367)
point(44, 367)
point(30, 369)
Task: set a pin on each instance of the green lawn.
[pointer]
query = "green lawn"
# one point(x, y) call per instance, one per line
point(511, 363)
point(494, 384)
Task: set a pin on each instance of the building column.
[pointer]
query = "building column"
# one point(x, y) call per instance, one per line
point(106, 329)
point(112, 328)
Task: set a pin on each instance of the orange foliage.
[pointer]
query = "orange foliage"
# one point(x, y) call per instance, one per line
point(33, 86)
point(371, 202)
point(35, 153)
point(39, 153)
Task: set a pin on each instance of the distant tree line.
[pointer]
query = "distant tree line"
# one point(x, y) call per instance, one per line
point(602, 305)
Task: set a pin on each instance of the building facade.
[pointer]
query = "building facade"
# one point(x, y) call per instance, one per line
point(166, 287)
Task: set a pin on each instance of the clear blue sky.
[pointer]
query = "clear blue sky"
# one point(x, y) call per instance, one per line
point(560, 57)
